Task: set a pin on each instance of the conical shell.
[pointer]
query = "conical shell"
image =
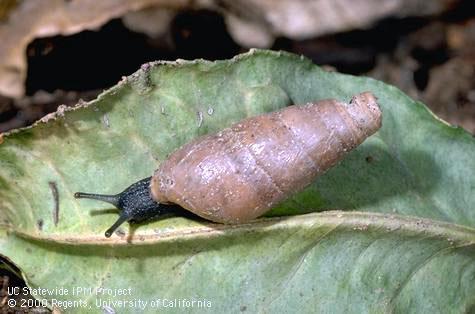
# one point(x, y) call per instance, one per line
point(241, 172)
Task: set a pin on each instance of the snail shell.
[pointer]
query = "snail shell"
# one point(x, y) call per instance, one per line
point(241, 172)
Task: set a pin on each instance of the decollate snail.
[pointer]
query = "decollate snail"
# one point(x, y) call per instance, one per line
point(239, 173)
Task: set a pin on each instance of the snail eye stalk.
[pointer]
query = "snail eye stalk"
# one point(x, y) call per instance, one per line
point(116, 225)
point(111, 199)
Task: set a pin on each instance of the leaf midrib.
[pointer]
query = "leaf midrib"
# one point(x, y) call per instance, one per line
point(357, 221)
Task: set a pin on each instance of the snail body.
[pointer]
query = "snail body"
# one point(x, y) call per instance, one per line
point(239, 173)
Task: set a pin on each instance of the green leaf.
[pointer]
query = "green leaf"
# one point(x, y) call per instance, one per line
point(413, 250)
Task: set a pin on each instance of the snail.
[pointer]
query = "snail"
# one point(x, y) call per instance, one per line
point(239, 173)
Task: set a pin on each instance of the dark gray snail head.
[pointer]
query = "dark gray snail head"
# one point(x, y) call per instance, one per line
point(134, 203)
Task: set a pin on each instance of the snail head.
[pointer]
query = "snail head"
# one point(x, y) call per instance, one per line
point(134, 203)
